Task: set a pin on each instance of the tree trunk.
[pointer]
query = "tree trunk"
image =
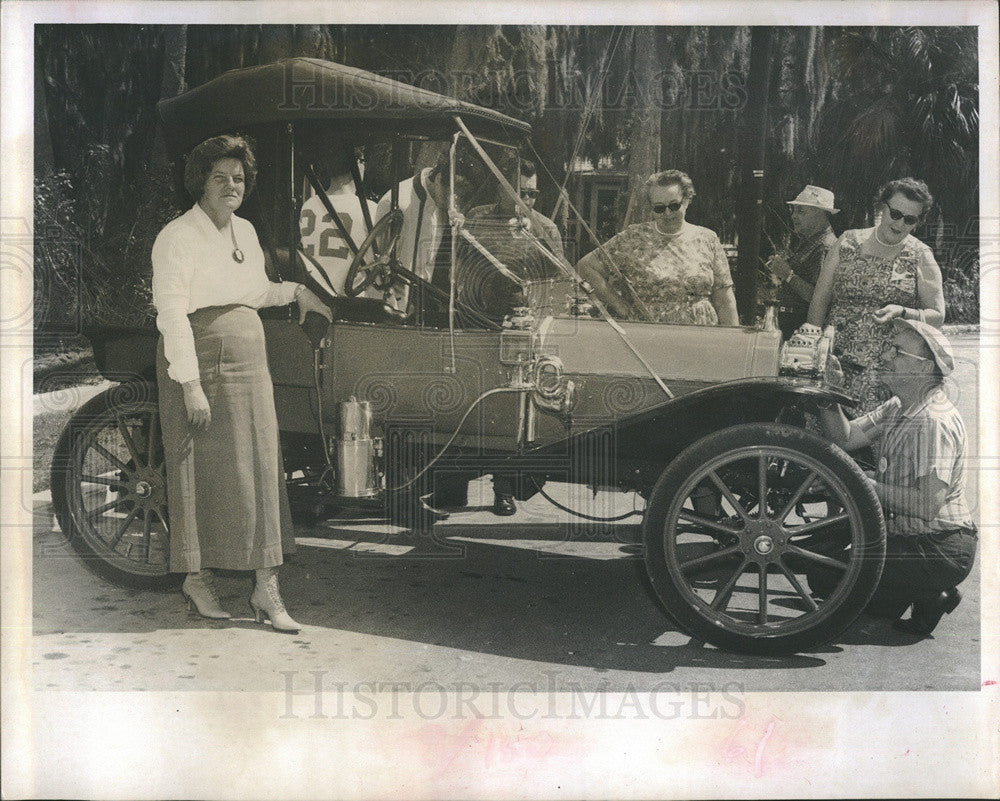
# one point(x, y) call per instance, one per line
point(463, 71)
point(644, 150)
point(532, 84)
point(275, 42)
point(44, 154)
point(551, 133)
point(312, 41)
point(172, 83)
point(174, 61)
point(751, 171)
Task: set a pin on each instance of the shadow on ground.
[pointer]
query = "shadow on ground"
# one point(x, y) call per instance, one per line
point(489, 592)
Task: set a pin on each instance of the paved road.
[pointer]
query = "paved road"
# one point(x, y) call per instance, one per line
point(484, 602)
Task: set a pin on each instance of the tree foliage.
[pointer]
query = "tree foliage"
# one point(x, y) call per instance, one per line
point(848, 109)
point(906, 103)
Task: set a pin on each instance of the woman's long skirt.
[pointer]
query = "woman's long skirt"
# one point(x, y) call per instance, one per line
point(226, 497)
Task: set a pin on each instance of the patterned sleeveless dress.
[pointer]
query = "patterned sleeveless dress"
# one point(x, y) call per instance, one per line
point(862, 285)
point(674, 275)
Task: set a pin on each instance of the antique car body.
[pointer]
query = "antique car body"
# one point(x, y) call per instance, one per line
point(705, 423)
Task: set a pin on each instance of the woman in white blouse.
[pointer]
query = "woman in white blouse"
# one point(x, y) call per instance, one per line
point(226, 495)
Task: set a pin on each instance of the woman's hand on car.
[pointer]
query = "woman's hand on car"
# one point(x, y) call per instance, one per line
point(198, 411)
point(308, 302)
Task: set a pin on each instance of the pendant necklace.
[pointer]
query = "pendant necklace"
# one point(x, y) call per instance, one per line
point(237, 253)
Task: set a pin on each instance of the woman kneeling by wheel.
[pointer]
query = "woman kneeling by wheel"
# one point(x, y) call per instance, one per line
point(225, 489)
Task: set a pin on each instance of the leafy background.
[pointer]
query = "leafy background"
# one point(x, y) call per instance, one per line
point(848, 108)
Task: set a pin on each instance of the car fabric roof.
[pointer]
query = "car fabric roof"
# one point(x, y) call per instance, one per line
point(308, 88)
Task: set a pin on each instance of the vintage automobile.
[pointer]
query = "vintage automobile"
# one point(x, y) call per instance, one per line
point(393, 408)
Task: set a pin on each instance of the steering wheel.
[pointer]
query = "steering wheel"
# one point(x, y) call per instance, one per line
point(381, 241)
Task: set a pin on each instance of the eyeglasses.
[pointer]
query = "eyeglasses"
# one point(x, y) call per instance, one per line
point(896, 214)
point(895, 350)
point(529, 193)
point(659, 208)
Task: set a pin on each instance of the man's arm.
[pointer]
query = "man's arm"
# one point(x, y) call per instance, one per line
point(781, 269)
point(924, 499)
point(801, 287)
point(811, 264)
point(552, 236)
point(848, 434)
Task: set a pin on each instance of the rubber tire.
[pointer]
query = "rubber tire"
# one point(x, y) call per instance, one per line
point(89, 418)
point(690, 617)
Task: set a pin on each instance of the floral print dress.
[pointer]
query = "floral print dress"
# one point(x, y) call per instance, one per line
point(862, 285)
point(674, 275)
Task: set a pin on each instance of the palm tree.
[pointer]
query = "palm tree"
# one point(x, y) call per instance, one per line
point(907, 104)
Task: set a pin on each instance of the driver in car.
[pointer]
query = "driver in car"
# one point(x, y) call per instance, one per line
point(322, 241)
point(920, 444)
point(502, 230)
point(425, 239)
point(507, 235)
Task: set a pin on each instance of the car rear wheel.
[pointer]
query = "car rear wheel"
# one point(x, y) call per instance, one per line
point(763, 539)
point(109, 486)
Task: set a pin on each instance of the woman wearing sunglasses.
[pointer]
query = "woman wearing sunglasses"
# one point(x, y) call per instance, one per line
point(677, 270)
point(872, 276)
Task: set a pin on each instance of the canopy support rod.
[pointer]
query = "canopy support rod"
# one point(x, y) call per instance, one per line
point(501, 267)
point(359, 188)
point(526, 212)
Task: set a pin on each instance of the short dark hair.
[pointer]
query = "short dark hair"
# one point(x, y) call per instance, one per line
point(912, 188)
point(527, 168)
point(200, 161)
point(671, 177)
point(442, 168)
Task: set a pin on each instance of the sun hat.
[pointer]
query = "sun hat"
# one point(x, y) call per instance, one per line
point(815, 196)
point(944, 356)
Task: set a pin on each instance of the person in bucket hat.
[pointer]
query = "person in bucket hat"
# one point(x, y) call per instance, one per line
point(815, 197)
point(796, 272)
point(920, 446)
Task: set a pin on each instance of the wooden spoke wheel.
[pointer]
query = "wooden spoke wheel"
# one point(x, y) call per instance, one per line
point(763, 539)
point(109, 486)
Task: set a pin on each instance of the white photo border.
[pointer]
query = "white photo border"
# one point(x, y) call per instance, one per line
point(246, 745)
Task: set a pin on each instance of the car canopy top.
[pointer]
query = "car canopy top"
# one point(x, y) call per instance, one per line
point(312, 89)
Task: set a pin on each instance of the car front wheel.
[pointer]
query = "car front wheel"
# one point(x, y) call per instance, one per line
point(763, 539)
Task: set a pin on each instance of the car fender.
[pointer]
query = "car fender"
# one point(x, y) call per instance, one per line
point(655, 435)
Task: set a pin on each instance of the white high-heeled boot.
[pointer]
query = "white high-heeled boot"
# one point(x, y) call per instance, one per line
point(200, 594)
point(266, 600)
